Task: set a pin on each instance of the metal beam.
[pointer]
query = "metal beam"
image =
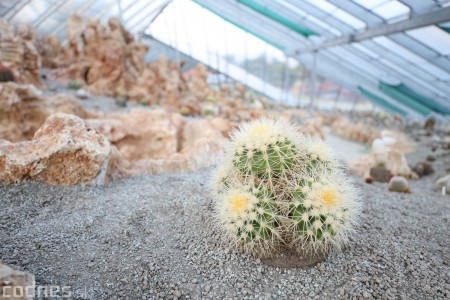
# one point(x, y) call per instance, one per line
point(440, 16)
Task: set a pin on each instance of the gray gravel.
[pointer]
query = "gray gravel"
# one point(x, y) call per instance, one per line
point(150, 237)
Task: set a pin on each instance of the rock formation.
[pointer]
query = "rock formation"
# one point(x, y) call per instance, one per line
point(63, 151)
point(49, 49)
point(358, 132)
point(18, 52)
point(108, 61)
point(23, 109)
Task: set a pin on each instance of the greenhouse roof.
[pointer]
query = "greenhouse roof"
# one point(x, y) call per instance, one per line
point(394, 53)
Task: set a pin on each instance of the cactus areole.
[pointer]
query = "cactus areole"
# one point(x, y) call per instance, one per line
point(278, 190)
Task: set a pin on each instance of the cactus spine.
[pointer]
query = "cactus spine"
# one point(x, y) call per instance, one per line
point(278, 188)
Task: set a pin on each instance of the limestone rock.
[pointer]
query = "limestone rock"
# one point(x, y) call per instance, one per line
point(355, 131)
point(149, 134)
point(18, 51)
point(14, 282)
point(23, 109)
point(201, 153)
point(63, 151)
point(49, 49)
point(199, 83)
point(107, 61)
point(82, 94)
point(443, 182)
point(212, 129)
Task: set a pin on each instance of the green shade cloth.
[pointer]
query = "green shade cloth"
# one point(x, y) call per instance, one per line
point(447, 29)
point(413, 99)
point(382, 102)
point(269, 41)
point(276, 17)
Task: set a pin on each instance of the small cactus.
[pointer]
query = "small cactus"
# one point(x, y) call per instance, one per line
point(399, 184)
point(6, 74)
point(277, 188)
point(73, 85)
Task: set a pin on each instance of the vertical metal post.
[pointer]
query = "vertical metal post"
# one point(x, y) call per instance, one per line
point(205, 13)
point(286, 80)
point(177, 51)
point(313, 84)
point(265, 71)
point(302, 87)
point(119, 5)
point(186, 31)
point(338, 96)
point(246, 58)
point(226, 46)
point(354, 105)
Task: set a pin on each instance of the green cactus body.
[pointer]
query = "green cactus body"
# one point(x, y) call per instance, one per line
point(398, 184)
point(271, 161)
point(277, 187)
point(73, 85)
point(6, 75)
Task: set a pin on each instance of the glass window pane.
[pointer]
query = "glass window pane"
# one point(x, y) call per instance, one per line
point(392, 10)
point(323, 5)
point(387, 9)
point(369, 4)
point(432, 37)
point(349, 19)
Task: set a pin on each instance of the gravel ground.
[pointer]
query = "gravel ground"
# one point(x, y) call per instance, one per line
point(150, 237)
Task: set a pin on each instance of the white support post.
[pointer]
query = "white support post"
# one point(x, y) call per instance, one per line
point(313, 84)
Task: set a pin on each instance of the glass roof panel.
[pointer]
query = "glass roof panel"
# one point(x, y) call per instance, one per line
point(432, 37)
point(136, 9)
point(387, 9)
point(365, 50)
point(396, 48)
point(392, 9)
point(370, 4)
point(324, 5)
point(349, 19)
point(323, 25)
point(293, 8)
point(32, 11)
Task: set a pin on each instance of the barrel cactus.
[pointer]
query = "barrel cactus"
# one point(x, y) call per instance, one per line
point(277, 188)
point(73, 85)
point(6, 74)
point(399, 184)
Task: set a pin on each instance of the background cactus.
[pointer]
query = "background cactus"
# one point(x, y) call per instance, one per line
point(73, 85)
point(399, 184)
point(6, 74)
point(277, 188)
